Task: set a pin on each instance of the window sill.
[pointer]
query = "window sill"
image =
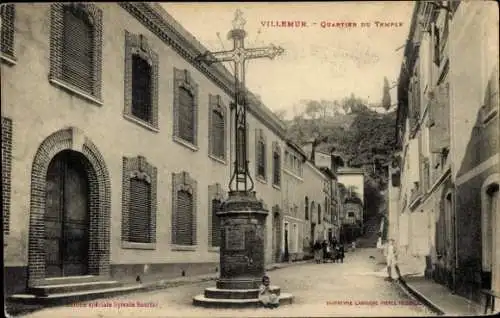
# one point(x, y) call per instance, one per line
point(186, 144)
point(261, 179)
point(7, 59)
point(218, 159)
point(70, 88)
point(214, 249)
point(191, 248)
point(140, 122)
point(277, 187)
point(138, 246)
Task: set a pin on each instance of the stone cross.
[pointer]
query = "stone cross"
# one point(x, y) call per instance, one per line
point(239, 55)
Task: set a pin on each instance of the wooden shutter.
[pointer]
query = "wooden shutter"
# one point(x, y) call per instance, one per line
point(306, 208)
point(140, 211)
point(77, 53)
point(215, 223)
point(261, 159)
point(186, 115)
point(319, 213)
point(277, 168)
point(218, 134)
point(141, 88)
point(440, 131)
point(437, 45)
point(8, 15)
point(184, 219)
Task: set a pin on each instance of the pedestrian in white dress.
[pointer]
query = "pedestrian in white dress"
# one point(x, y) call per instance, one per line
point(391, 258)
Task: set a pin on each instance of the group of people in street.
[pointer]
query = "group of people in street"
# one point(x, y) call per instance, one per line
point(328, 250)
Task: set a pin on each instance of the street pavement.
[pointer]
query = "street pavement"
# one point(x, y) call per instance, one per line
point(354, 288)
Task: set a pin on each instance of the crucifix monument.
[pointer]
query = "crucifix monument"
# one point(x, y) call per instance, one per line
point(242, 215)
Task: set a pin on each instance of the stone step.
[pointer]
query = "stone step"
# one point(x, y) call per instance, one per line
point(71, 297)
point(72, 287)
point(202, 301)
point(218, 293)
point(71, 280)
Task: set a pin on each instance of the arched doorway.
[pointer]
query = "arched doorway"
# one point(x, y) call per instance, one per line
point(70, 207)
point(66, 216)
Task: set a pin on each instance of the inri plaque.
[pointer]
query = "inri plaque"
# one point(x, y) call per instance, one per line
point(235, 238)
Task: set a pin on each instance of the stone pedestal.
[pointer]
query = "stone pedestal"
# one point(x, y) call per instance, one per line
point(242, 254)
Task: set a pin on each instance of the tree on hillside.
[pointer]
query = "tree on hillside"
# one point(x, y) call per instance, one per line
point(363, 137)
point(386, 96)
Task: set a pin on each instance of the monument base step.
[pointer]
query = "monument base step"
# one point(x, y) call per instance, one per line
point(202, 301)
point(219, 293)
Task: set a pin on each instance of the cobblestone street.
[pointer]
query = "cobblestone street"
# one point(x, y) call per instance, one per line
point(354, 288)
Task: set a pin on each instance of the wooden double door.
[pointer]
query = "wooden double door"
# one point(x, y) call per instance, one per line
point(67, 216)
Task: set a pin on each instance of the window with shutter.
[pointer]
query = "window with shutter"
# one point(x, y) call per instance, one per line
point(186, 115)
point(319, 214)
point(7, 29)
point(77, 49)
point(140, 211)
point(437, 46)
point(277, 168)
point(261, 167)
point(215, 223)
point(141, 88)
point(440, 131)
point(306, 207)
point(218, 135)
point(141, 81)
point(138, 203)
point(184, 219)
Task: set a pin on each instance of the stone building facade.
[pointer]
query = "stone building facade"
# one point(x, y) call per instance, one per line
point(448, 134)
point(117, 148)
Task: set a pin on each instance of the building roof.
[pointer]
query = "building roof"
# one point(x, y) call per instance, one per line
point(296, 147)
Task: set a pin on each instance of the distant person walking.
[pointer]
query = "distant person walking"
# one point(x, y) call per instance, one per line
point(317, 251)
point(391, 258)
point(324, 248)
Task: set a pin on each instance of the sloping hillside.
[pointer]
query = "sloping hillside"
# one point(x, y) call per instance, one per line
point(363, 136)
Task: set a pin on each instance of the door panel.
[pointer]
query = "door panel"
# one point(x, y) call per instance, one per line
point(75, 219)
point(53, 219)
point(66, 217)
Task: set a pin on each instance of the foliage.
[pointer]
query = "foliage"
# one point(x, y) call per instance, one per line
point(361, 135)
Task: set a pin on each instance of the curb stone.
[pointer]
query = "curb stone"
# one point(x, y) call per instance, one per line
point(427, 302)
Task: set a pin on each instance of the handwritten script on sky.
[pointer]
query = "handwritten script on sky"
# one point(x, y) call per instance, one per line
point(331, 49)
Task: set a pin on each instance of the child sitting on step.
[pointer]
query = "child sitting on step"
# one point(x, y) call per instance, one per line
point(266, 297)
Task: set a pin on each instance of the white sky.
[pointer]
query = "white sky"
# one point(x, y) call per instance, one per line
point(319, 63)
